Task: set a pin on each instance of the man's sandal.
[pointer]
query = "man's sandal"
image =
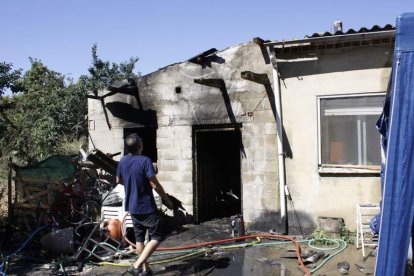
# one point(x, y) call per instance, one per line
point(134, 271)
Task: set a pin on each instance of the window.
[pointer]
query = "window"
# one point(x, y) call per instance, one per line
point(149, 139)
point(348, 135)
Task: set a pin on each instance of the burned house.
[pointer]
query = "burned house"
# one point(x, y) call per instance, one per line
point(280, 132)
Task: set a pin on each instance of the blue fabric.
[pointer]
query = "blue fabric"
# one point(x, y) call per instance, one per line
point(397, 212)
point(135, 170)
point(382, 126)
point(375, 224)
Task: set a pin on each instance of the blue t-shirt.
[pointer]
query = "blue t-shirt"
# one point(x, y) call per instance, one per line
point(135, 171)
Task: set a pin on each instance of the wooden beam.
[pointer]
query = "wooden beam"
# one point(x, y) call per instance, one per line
point(217, 83)
point(255, 77)
point(34, 196)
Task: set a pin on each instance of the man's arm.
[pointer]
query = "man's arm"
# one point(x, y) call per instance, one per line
point(119, 180)
point(155, 184)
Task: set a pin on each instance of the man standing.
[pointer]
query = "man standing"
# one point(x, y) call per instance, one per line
point(136, 173)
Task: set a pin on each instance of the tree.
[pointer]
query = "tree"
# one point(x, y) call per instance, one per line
point(49, 111)
point(39, 117)
point(8, 78)
point(103, 73)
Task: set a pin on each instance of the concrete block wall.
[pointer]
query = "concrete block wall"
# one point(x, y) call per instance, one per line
point(197, 104)
point(259, 173)
point(175, 164)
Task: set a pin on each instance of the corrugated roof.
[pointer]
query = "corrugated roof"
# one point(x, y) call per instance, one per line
point(375, 28)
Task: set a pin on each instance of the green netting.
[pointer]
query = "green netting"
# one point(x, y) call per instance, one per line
point(54, 169)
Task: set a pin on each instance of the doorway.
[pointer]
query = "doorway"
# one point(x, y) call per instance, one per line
point(217, 175)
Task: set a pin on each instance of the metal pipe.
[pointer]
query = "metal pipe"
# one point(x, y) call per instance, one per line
point(279, 139)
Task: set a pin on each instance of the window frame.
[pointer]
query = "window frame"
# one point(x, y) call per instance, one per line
point(339, 168)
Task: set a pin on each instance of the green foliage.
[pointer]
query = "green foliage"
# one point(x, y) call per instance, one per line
point(321, 238)
point(347, 235)
point(47, 113)
point(9, 78)
point(103, 73)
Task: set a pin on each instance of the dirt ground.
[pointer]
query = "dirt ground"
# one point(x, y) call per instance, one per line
point(258, 258)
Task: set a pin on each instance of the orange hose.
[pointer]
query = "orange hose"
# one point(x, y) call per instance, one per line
point(225, 241)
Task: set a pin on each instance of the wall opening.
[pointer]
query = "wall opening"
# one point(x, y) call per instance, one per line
point(217, 172)
point(149, 139)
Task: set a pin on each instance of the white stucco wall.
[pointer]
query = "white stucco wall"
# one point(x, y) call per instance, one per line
point(315, 194)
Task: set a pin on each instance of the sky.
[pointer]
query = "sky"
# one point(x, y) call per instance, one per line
point(61, 32)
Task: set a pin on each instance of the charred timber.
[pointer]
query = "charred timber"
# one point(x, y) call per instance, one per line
point(217, 83)
point(259, 78)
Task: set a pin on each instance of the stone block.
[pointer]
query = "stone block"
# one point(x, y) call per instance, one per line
point(271, 177)
point(270, 141)
point(109, 145)
point(258, 154)
point(164, 176)
point(183, 131)
point(166, 165)
point(164, 121)
point(174, 109)
point(183, 176)
point(272, 216)
point(169, 154)
point(101, 125)
point(267, 105)
point(256, 189)
point(271, 153)
point(183, 142)
point(252, 202)
point(187, 153)
point(186, 199)
point(265, 166)
point(249, 215)
point(165, 132)
point(270, 128)
point(250, 104)
point(252, 179)
point(251, 141)
point(175, 176)
point(244, 166)
point(184, 165)
point(167, 185)
point(165, 143)
point(269, 203)
point(263, 116)
point(254, 129)
point(183, 187)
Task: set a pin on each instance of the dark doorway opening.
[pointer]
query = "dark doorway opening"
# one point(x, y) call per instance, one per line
point(217, 175)
point(149, 139)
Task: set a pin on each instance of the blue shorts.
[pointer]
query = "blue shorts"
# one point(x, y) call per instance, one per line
point(150, 222)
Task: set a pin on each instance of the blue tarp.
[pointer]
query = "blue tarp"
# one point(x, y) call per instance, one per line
point(397, 210)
